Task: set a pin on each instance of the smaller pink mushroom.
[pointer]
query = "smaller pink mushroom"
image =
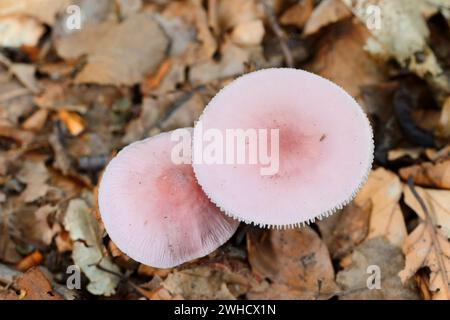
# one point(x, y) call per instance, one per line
point(154, 210)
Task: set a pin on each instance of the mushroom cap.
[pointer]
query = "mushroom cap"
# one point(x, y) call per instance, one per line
point(155, 211)
point(325, 148)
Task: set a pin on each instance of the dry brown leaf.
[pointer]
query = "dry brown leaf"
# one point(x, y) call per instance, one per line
point(327, 12)
point(178, 19)
point(403, 33)
point(118, 53)
point(346, 229)
point(25, 73)
point(34, 285)
point(342, 59)
point(413, 153)
point(375, 252)
point(443, 129)
point(296, 261)
point(384, 189)
point(429, 174)
point(248, 34)
point(35, 175)
point(231, 64)
point(234, 12)
point(87, 249)
point(36, 121)
point(438, 204)
point(224, 281)
point(422, 251)
point(298, 14)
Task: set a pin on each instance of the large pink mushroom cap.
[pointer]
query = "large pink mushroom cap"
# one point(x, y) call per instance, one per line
point(325, 148)
point(154, 210)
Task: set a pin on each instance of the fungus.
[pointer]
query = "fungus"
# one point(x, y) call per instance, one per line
point(324, 150)
point(154, 210)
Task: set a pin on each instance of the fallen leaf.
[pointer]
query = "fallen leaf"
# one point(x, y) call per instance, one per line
point(248, 34)
point(384, 189)
point(438, 204)
point(233, 12)
point(429, 174)
point(25, 73)
point(422, 251)
point(222, 281)
point(16, 31)
point(232, 64)
point(87, 250)
point(402, 34)
point(388, 260)
point(296, 261)
point(341, 58)
point(327, 12)
point(36, 121)
point(110, 42)
point(444, 122)
point(35, 175)
point(34, 285)
point(344, 230)
point(298, 14)
point(413, 153)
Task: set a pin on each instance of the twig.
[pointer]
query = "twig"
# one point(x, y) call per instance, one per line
point(278, 32)
point(433, 233)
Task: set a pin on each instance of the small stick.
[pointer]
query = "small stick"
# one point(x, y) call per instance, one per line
point(433, 233)
point(279, 33)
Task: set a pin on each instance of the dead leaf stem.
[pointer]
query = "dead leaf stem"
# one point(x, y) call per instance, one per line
point(433, 233)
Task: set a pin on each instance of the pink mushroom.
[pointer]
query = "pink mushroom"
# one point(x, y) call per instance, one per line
point(325, 148)
point(154, 210)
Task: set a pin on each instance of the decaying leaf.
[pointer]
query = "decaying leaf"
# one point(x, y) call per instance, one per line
point(401, 33)
point(298, 14)
point(296, 261)
point(212, 281)
point(342, 59)
point(444, 122)
point(344, 230)
point(35, 175)
point(438, 204)
point(118, 53)
point(384, 189)
point(422, 251)
point(34, 285)
point(375, 257)
point(25, 74)
point(87, 250)
point(429, 174)
point(327, 12)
